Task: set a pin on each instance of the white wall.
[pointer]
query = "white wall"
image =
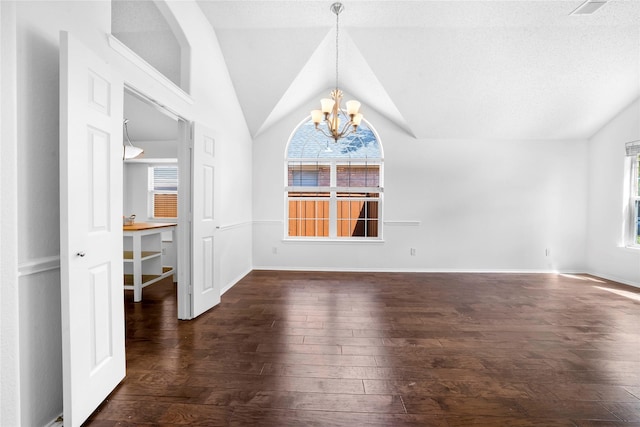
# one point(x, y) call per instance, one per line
point(135, 190)
point(135, 202)
point(212, 88)
point(463, 205)
point(606, 252)
point(38, 26)
point(37, 220)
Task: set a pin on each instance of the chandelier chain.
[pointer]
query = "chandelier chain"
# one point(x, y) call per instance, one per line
point(337, 56)
point(330, 108)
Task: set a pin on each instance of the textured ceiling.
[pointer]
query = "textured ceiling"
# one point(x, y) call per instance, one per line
point(517, 69)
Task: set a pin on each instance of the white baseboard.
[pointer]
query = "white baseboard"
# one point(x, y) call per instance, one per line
point(440, 270)
point(615, 279)
point(414, 270)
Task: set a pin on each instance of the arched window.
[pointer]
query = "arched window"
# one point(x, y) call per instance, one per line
point(333, 190)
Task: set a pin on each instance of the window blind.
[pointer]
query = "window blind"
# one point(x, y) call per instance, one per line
point(164, 178)
point(163, 188)
point(632, 148)
point(165, 205)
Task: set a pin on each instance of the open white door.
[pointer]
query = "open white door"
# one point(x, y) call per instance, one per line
point(93, 351)
point(205, 277)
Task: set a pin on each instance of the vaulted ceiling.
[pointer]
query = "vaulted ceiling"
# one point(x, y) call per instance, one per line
point(478, 69)
point(523, 69)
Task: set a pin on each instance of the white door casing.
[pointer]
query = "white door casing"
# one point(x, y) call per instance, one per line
point(92, 295)
point(184, 219)
point(204, 192)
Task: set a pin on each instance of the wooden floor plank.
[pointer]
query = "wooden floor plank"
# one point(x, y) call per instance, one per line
point(385, 349)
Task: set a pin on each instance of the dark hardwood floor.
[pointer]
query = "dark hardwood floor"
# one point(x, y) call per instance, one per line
point(385, 349)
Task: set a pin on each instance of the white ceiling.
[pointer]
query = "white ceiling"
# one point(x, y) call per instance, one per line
point(146, 122)
point(479, 69)
point(517, 69)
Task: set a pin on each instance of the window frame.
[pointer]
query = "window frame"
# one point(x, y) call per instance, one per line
point(633, 235)
point(333, 190)
point(151, 192)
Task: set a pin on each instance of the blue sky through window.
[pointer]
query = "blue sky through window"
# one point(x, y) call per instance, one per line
point(307, 142)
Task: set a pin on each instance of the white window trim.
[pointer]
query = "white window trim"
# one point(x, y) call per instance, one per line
point(151, 193)
point(634, 199)
point(333, 197)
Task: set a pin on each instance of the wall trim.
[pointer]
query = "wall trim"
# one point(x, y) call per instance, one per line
point(268, 222)
point(398, 223)
point(441, 270)
point(235, 225)
point(403, 223)
point(39, 265)
point(133, 57)
point(235, 281)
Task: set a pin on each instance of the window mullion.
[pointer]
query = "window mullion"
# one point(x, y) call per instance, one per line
point(333, 203)
point(634, 214)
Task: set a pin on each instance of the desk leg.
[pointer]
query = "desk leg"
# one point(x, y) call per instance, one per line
point(137, 268)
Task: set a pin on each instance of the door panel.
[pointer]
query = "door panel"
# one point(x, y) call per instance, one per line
point(92, 296)
point(206, 286)
point(208, 255)
point(98, 144)
point(101, 307)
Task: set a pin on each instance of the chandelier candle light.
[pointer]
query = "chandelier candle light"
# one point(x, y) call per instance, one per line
point(330, 108)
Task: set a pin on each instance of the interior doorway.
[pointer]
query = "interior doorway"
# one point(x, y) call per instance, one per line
point(151, 198)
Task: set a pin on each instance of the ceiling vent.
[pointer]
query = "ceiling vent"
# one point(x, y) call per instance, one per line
point(588, 7)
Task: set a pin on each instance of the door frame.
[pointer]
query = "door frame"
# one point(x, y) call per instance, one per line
point(10, 401)
point(185, 173)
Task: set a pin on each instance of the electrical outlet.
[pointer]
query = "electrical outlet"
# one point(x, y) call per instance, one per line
point(413, 251)
point(547, 252)
point(274, 250)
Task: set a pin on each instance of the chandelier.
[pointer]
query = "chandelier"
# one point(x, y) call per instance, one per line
point(330, 108)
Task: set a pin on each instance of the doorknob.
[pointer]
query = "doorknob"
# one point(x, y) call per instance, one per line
point(81, 254)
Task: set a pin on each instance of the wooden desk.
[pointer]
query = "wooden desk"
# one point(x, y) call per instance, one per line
point(143, 255)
